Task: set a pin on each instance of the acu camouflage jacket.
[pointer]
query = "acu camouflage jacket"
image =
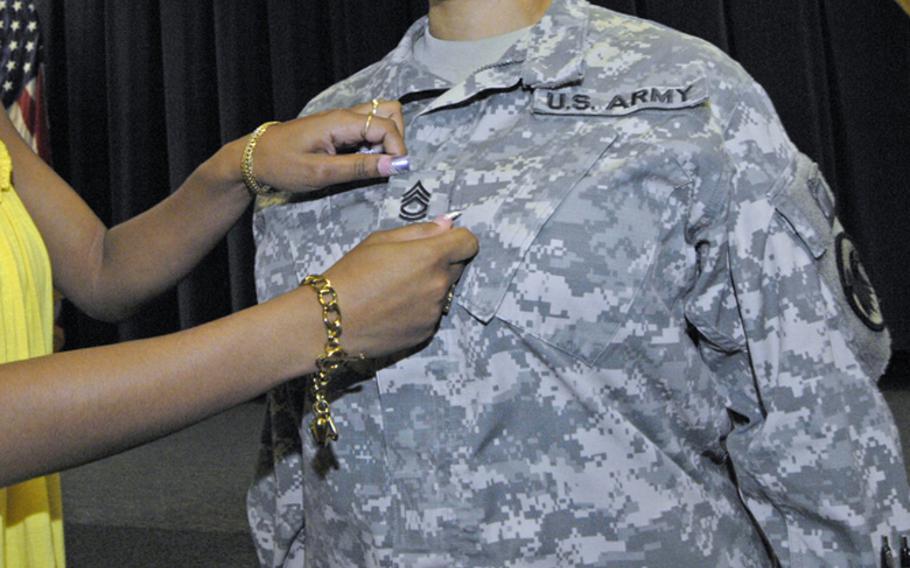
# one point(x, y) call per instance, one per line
point(665, 353)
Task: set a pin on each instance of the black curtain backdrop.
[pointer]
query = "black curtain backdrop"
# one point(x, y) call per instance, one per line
point(142, 92)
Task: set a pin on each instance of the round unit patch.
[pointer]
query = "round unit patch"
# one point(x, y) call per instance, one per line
point(857, 288)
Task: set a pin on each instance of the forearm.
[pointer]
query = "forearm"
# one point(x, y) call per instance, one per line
point(148, 254)
point(66, 409)
point(70, 408)
point(109, 272)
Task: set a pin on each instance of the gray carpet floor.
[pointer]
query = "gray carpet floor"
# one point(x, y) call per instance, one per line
point(179, 502)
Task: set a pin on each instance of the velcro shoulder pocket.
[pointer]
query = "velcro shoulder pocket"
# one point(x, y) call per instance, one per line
point(807, 209)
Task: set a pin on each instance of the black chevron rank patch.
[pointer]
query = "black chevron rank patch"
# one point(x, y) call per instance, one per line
point(414, 203)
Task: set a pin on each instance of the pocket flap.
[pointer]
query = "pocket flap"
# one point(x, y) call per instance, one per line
point(808, 214)
point(528, 187)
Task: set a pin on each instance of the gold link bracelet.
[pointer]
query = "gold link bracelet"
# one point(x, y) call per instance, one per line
point(323, 425)
point(246, 163)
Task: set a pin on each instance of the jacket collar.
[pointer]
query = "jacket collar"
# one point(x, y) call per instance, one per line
point(549, 56)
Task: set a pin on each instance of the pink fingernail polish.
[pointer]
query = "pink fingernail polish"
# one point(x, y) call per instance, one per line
point(447, 219)
point(443, 221)
point(384, 166)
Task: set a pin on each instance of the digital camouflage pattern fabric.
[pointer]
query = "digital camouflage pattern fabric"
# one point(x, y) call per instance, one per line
point(651, 362)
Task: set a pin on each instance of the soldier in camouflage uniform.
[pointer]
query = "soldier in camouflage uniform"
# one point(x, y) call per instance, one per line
point(665, 353)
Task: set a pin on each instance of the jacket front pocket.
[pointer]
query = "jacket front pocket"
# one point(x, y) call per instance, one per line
point(588, 264)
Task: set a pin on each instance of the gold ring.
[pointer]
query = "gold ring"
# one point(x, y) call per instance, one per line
point(450, 297)
point(372, 113)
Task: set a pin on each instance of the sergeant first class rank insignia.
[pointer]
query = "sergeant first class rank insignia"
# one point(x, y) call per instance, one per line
point(414, 203)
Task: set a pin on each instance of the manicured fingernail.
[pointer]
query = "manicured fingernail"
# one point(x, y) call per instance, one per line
point(443, 221)
point(389, 166)
point(447, 219)
point(399, 165)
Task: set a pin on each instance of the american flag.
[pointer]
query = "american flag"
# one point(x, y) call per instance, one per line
point(21, 72)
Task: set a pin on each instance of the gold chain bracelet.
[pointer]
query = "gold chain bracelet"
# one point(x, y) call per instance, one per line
point(323, 425)
point(246, 163)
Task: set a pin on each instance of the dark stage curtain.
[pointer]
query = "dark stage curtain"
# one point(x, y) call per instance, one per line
point(141, 92)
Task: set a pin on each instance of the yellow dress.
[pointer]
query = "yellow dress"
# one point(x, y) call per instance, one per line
point(31, 515)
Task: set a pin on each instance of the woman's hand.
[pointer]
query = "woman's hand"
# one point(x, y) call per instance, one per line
point(303, 154)
point(392, 287)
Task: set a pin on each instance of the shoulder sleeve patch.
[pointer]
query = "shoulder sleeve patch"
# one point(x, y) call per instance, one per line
point(857, 287)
